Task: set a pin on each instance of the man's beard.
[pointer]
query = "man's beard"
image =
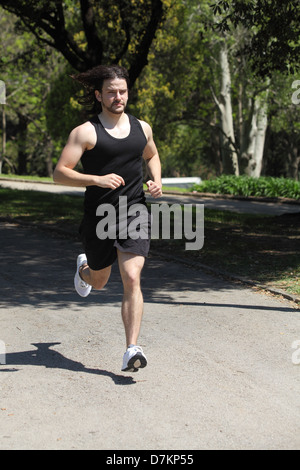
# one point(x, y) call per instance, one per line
point(113, 109)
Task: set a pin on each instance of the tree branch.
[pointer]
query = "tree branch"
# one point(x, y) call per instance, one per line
point(141, 57)
point(42, 17)
point(95, 47)
point(126, 26)
point(46, 20)
point(217, 103)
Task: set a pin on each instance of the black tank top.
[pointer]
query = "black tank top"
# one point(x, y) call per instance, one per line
point(120, 156)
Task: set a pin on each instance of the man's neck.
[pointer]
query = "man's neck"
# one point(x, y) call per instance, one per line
point(117, 125)
point(112, 120)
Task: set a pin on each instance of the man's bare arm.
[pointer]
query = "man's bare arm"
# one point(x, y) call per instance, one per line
point(81, 138)
point(152, 160)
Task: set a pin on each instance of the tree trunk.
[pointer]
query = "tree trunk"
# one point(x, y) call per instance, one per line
point(229, 152)
point(256, 139)
point(2, 155)
point(22, 136)
point(294, 161)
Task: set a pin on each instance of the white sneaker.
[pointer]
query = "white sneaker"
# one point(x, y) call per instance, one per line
point(134, 359)
point(82, 288)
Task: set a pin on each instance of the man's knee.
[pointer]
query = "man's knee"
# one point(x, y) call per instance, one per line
point(131, 278)
point(130, 268)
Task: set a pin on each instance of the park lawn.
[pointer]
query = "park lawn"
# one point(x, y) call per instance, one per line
point(259, 248)
point(39, 179)
point(262, 249)
point(56, 210)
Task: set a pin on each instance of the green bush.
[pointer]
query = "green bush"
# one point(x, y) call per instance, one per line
point(248, 186)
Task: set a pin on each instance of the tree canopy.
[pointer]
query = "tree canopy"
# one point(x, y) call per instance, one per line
point(211, 77)
point(90, 32)
point(274, 42)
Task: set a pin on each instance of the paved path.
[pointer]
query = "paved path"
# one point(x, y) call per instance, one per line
point(221, 372)
point(246, 206)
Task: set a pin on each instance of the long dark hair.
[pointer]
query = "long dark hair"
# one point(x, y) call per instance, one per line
point(93, 79)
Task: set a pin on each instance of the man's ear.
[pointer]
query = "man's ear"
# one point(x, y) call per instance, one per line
point(98, 95)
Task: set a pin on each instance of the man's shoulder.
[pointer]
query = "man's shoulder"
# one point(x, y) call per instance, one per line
point(137, 119)
point(146, 128)
point(86, 126)
point(84, 133)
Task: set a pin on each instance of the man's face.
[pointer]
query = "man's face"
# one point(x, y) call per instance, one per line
point(114, 95)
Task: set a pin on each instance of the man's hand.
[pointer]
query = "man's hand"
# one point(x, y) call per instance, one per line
point(154, 189)
point(111, 181)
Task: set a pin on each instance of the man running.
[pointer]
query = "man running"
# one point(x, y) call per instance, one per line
point(112, 147)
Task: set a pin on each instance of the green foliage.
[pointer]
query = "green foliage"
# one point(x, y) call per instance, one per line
point(275, 32)
point(25, 68)
point(247, 186)
point(173, 92)
point(89, 33)
point(63, 112)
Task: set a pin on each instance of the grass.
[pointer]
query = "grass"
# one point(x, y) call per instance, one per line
point(259, 248)
point(27, 177)
point(40, 207)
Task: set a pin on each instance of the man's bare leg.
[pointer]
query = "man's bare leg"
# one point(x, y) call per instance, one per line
point(96, 279)
point(130, 266)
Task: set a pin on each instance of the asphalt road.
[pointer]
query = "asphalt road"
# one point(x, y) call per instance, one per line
point(222, 372)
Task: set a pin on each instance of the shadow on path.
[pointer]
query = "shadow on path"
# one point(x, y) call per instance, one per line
point(49, 358)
